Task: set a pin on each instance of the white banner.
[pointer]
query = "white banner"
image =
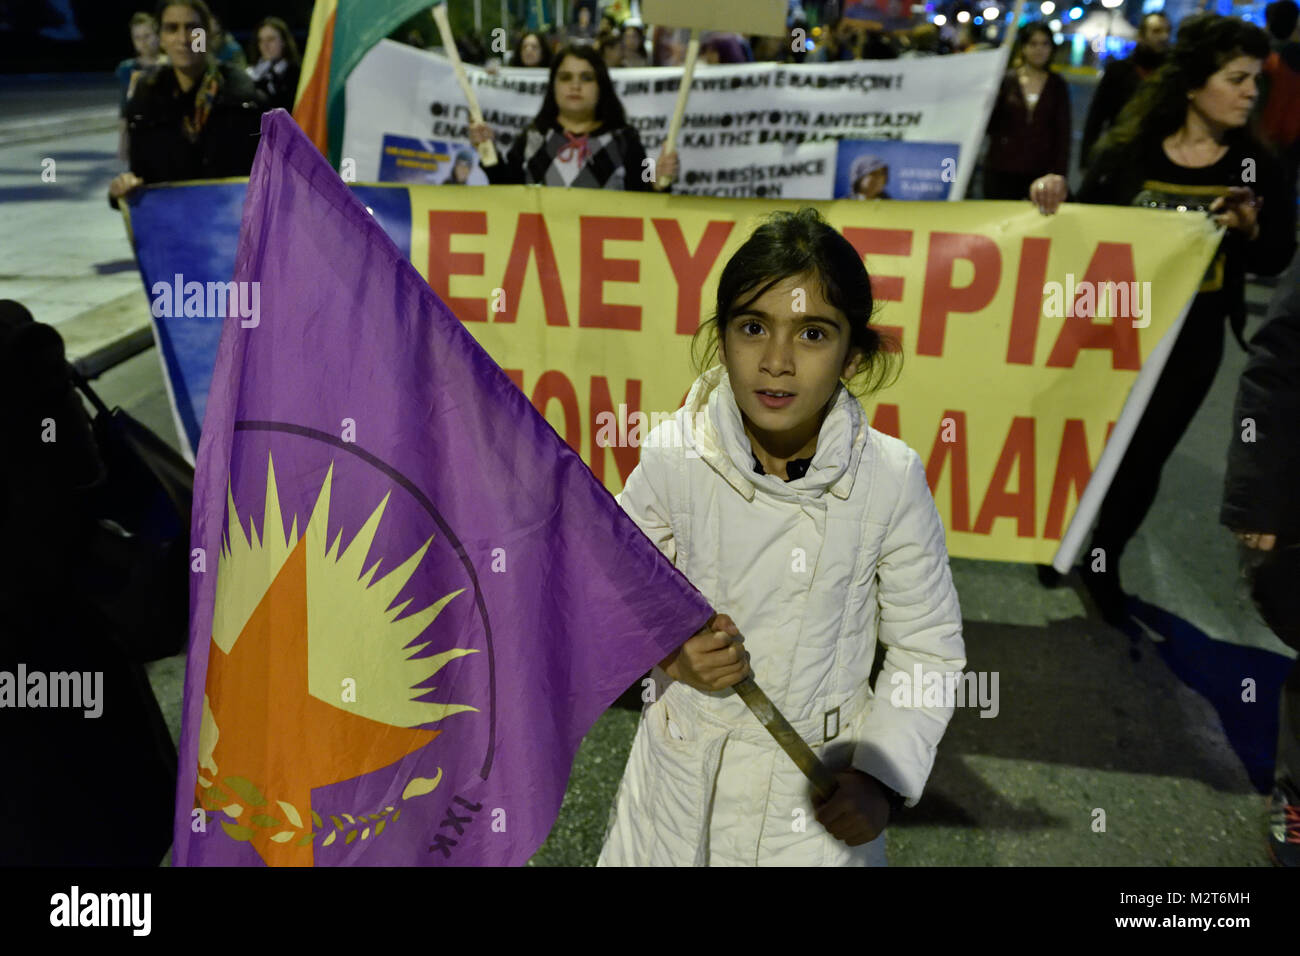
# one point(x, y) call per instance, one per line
point(901, 129)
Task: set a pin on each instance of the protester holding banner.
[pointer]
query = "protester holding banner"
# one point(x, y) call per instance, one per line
point(760, 490)
point(581, 136)
point(1029, 129)
point(275, 73)
point(193, 118)
point(1183, 143)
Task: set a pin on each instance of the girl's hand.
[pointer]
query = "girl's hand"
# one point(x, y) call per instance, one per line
point(710, 660)
point(1238, 210)
point(858, 811)
point(665, 170)
point(1048, 192)
point(480, 133)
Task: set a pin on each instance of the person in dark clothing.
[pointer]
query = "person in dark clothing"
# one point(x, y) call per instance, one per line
point(1261, 507)
point(1121, 79)
point(193, 118)
point(278, 65)
point(1029, 129)
point(144, 37)
point(580, 136)
point(1183, 143)
point(1279, 115)
point(90, 776)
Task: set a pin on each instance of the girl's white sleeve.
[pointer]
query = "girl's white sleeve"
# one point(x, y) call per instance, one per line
point(644, 500)
point(920, 627)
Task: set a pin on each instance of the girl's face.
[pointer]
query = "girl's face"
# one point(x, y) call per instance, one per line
point(460, 172)
point(576, 90)
point(1037, 51)
point(145, 40)
point(270, 44)
point(1229, 95)
point(785, 355)
point(530, 51)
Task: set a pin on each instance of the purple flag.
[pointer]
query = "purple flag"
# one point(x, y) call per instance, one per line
point(410, 598)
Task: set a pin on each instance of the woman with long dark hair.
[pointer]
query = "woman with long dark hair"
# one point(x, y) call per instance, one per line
point(1183, 143)
point(276, 69)
point(580, 137)
point(532, 50)
point(1029, 130)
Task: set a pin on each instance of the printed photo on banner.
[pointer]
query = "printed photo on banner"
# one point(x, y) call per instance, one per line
point(429, 162)
point(895, 169)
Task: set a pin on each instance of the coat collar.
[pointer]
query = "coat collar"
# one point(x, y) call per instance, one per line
point(717, 433)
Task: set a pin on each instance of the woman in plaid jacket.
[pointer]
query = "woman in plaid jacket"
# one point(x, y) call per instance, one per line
point(580, 137)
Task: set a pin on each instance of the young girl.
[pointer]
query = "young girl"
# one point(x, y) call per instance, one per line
point(772, 494)
point(580, 136)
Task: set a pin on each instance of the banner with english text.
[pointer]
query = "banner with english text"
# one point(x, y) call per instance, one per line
point(1022, 335)
point(767, 130)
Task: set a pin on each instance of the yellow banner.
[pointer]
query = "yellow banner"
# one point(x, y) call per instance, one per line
point(1021, 334)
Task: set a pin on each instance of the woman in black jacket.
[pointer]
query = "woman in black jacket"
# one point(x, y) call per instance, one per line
point(1183, 143)
point(580, 136)
point(193, 118)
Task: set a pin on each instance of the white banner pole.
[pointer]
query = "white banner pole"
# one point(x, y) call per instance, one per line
point(1111, 456)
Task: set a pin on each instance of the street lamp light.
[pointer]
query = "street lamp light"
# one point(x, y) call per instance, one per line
point(990, 13)
point(1048, 8)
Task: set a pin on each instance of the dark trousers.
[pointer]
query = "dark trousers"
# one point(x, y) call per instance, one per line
point(1274, 580)
point(1183, 385)
point(1003, 185)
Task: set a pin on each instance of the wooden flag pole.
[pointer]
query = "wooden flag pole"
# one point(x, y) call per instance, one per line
point(760, 706)
point(487, 153)
point(683, 93)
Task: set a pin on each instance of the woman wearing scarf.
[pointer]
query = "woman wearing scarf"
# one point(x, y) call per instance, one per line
point(275, 74)
point(193, 118)
point(580, 136)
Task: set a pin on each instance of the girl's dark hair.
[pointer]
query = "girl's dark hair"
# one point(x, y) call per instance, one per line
point(1025, 35)
point(794, 244)
point(541, 41)
point(282, 28)
point(609, 111)
point(1205, 43)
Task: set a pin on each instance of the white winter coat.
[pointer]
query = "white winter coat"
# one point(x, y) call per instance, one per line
point(813, 572)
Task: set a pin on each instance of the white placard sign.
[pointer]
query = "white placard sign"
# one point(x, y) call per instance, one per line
point(757, 129)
